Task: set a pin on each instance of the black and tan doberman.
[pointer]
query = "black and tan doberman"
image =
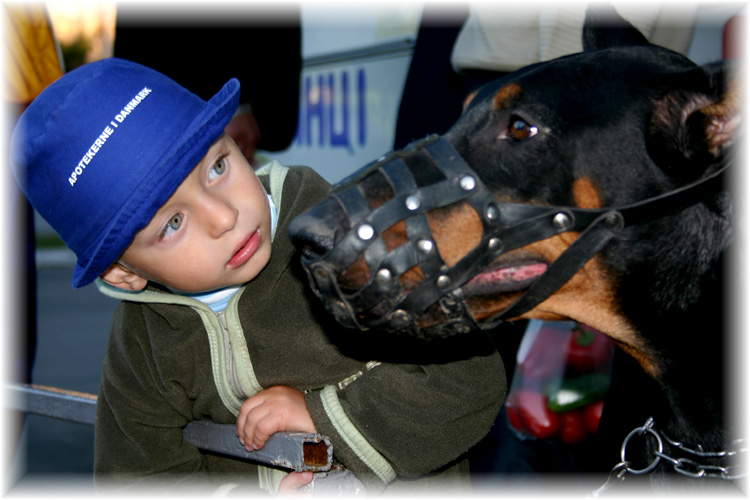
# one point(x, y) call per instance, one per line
point(593, 187)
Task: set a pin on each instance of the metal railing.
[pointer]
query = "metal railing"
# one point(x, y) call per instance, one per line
point(288, 450)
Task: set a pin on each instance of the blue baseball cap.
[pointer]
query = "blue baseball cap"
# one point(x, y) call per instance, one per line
point(103, 147)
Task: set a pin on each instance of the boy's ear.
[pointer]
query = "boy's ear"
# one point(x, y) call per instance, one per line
point(123, 278)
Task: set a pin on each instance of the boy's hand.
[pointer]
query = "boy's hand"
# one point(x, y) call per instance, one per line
point(278, 408)
point(293, 481)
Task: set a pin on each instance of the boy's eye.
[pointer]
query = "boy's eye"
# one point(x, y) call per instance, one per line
point(172, 226)
point(217, 169)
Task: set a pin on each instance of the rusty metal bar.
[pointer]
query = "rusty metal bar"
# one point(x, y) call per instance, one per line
point(292, 450)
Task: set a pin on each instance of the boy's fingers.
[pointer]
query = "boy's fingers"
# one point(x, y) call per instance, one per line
point(259, 426)
point(263, 430)
point(240, 426)
point(245, 410)
point(294, 481)
point(247, 420)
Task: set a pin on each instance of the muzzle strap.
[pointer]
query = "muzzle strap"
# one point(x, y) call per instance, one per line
point(588, 244)
point(436, 307)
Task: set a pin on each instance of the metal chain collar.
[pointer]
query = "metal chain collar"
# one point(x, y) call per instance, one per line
point(696, 463)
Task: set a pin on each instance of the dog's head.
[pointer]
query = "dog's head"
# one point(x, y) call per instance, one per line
point(554, 185)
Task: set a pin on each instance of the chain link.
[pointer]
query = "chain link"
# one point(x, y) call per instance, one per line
point(645, 430)
point(691, 468)
point(736, 447)
point(682, 465)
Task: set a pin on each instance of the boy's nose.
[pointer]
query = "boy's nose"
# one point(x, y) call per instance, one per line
point(219, 215)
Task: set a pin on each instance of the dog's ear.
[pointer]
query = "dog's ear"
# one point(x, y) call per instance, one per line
point(604, 28)
point(694, 126)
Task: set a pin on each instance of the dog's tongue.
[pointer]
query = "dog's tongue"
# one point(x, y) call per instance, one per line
point(504, 279)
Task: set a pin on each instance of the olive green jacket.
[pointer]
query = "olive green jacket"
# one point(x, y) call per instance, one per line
point(395, 409)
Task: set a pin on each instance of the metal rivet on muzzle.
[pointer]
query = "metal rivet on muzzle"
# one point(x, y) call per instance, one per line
point(365, 232)
point(383, 276)
point(562, 221)
point(491, 212)
point(494, 244)
point(467, 183)
point(424, 246)
point(413, 202)
point(443, 281)
point(339, 309)
point(399, 318)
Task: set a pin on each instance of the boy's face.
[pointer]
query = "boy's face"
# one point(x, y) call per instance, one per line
point(213, 232)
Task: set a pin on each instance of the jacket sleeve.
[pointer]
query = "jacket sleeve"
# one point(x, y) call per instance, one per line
point(399, 419)
point(134, 423)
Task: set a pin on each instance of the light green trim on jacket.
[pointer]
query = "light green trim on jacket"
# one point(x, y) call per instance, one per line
point(220, 364)
point(243, 365)
point(270, 479)
point(276, 173)
point(356, 441)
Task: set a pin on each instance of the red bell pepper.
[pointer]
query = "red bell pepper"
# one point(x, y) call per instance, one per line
point(589, 350)
point(592, 414)
point(572, 427)
point(512, 412)
point(541, 422)
point(562, 375)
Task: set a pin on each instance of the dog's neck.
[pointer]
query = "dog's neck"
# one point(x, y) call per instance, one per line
point(684, 323)
point(691, 343)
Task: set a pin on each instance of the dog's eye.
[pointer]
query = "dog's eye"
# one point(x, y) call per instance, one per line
point(519, 130)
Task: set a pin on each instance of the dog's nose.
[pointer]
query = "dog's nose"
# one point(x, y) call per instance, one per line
point(316, 231)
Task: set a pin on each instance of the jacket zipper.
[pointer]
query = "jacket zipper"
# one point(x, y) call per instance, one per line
point(234, 382)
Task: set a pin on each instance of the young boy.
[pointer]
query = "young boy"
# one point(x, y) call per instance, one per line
point(136, 175)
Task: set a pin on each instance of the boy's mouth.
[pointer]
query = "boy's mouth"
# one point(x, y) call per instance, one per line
point(245, 250)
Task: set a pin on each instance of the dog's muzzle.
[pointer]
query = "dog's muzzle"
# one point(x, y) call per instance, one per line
point(383, 303)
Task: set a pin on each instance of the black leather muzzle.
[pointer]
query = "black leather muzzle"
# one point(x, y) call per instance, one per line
point(383, 303)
